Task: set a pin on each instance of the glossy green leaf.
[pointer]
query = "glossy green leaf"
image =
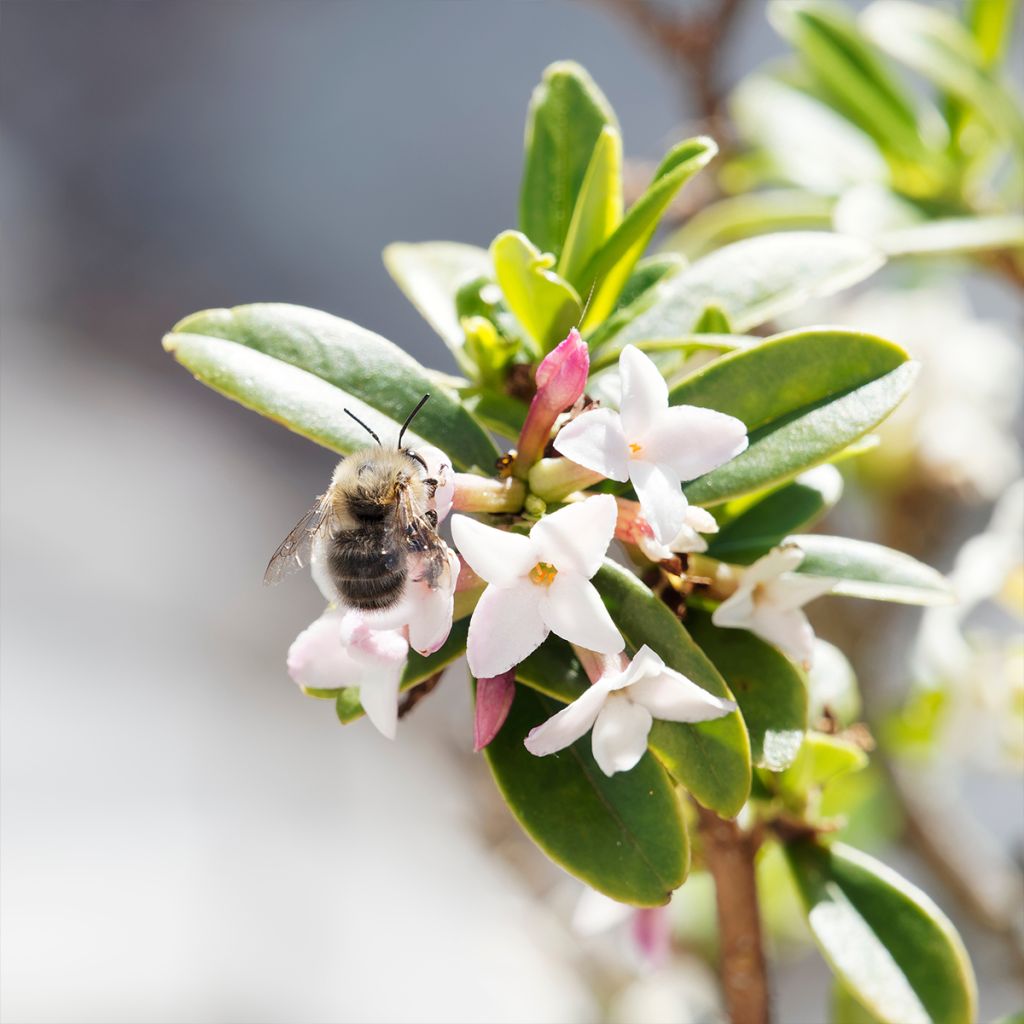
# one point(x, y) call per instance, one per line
point(684, 346)
point(430, 274)
point(755, 280)
point(598, 209)
point(609, 268)
point(713, 321)
point(302, 368)
point(711, 759)
point(768, 687)
point(566, 116)
point(938, 47)
point(991, 24)
point(846, 1009)
point(418, 669)
point(821, 759)
point(623, 836)
point(761, 525)
point(545, 304)
point(848, 70)
point(883, 938)
point(501, 413)
point(807, 142)
point(804, 396)
point(871, 571)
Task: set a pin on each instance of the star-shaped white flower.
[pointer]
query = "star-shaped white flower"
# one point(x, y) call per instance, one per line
point(621, 707)
point(340, 649)
point(651, 444)
point(769, 600)
point(538, 584)
point(688, 540)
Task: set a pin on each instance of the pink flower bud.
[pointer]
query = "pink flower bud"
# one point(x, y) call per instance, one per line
point(561, 378)
point(493, 702)
point(652, 932)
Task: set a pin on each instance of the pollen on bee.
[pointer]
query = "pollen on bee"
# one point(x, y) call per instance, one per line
point(543, 574)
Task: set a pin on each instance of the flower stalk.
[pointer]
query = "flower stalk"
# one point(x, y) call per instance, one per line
point(482, 494)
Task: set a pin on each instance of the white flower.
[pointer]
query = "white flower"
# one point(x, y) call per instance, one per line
point(769, 599)
point(340, 649)
point(688, 540)
point(538, 584)
point(651, 444)
point(620, 708)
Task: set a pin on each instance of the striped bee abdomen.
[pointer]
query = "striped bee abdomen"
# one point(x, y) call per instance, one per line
point(368, 567)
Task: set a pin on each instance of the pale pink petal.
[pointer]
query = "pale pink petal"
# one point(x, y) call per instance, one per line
point(619, 738)
point(788, 630)
point(576, 537)
point(318, 659)
point(494, 698)
point(595, 440)
point(319, 571)
point(652, 932)
point(505, 628)
point(370, 644)
point(661, 498)
point(572, 608)
point(565, 728)
point(674, 698)
point(439, 468)
point(497, 556)
point(379, 696)
point(793, 590)
point(644, 393)
point(693, 441)
point(431, 608)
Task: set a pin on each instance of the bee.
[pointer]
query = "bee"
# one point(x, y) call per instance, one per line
point(373, 521)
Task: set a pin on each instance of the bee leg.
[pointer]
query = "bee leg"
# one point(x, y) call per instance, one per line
point(431, 516)
point(431, 487)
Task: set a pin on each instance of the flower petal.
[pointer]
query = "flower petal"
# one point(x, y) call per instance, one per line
point(431, 608)
point(565, 728)
point(319, 571)
point(439, 468)
point(700, 519)
point(379, 696)
point(793, 590)
point(505, 628)
point(736, 611)
point(318, 658)
point(644, 393)
point(661, 498)
point(674, 698)
point(497, 556)
point(595, 440)
point(572, 608)
point(787, 629)
point(779, 560)
point(620, 733)
point(577, 537)
point(693, 441)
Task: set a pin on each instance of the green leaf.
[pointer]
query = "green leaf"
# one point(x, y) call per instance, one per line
point(501, 413)
point(760, 525)
point(807, 142)
point(821, 759)
point(848, 71)
point(567, 115)
point(804, 396)
point(430, 274)
point(871, 570)
point(543, 303)
point(684, 346)
point(755, 280)
point(768, 687)
point(623, 836)
point(846, 1009)
point(713, 321)
point(954, 235)
point(883, 938)
point(710, 759)
point(598, 207)
point(939, 48)
point(418, 669)
point(302, 368)
point(991, 24)
point(609, 268)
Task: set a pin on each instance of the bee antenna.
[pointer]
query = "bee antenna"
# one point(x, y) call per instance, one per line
point(408, 419)
point(365, 427)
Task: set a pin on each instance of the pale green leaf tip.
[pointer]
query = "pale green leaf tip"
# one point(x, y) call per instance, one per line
point(170, 342)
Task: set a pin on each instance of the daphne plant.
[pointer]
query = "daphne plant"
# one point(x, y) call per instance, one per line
point(632, 568)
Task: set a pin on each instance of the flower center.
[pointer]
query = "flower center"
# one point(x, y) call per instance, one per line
point(543, 574)
point(635, 449)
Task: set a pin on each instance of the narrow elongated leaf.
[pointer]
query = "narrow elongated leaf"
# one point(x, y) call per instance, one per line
point(768, 687)
point(954, 234)
point(418, 669)
point(871, 570)
point(991, 24)
point(502, 413)
point(623, 836)
point(567, 114)
point(711, 759)
point(545, 304)
point(609, 268)
point(755, 280)
point(846, 1009)
point(302, 367)
point(804, 397)
point(940, 49)
point(884, 938)
point(598, 209)
point(755, 530)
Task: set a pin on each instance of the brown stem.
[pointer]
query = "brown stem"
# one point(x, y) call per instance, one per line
point(729, 852)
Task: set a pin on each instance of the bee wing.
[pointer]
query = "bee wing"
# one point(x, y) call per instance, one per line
point(295, 550)
point(422, 539)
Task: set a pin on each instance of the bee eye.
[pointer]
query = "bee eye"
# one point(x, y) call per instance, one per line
point(412, 455)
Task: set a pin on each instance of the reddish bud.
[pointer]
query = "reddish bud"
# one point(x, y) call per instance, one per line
point(493, 702)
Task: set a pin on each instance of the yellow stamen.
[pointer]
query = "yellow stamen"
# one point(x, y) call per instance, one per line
point(636, 449)
point(543, 574)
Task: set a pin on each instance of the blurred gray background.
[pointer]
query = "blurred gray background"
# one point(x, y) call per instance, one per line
point(184, 836)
